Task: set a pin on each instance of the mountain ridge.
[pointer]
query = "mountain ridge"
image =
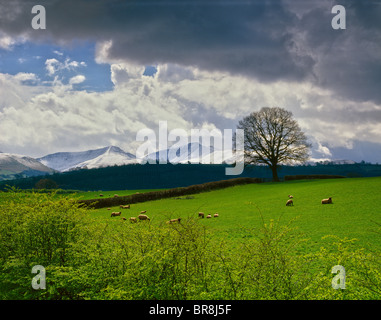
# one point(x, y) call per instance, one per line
point(106, 156)
point(14, 164)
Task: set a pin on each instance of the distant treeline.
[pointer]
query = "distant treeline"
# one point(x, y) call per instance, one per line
point(165, 176)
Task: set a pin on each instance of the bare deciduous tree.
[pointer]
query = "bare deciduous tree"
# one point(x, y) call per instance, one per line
point(273, 137)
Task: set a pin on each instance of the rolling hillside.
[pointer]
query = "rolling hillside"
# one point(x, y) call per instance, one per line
point(257, 249)
point(353, 214)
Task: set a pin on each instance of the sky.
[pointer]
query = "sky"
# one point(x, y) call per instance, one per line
point(102, 70)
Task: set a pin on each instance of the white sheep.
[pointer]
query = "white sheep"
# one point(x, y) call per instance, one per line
point(174, 220)
point(143, 217)
point(325, 201)
point(289, 202)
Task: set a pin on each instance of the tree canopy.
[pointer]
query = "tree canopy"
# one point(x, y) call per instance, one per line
point(273, 137)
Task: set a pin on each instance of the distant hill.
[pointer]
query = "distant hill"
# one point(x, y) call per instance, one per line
point(111, 168)
point(19, 166)
point(112, 155)
point(328, 162)
point(90, 159)
point(192, 152)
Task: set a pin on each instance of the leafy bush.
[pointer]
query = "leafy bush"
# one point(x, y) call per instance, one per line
point(36, 229)
point(46, 184)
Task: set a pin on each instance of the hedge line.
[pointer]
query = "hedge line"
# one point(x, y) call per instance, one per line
point(175, 192)
point(312, 176)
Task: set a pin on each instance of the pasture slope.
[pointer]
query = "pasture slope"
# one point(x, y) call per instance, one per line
point(354, 213)
point(254, 250)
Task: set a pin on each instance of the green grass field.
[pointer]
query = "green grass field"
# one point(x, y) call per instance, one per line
point(258, 248)
point(355, 209)
point(108, 194)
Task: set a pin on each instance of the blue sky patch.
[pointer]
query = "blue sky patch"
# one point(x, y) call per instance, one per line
point(67, 62)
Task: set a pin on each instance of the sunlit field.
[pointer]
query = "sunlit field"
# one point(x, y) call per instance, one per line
point(257, 247)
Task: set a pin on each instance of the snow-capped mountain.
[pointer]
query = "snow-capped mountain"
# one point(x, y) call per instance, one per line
point(192, 152)
point(343, 162)
point(103, 157)
point(324, 161)
point(12, 164)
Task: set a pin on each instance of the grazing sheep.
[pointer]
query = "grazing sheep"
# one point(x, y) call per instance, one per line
point(289, 202)
point(123, 218)
point(101, 195)
point(174, 220)
point(125, 207)
point(215, 215)
point(325, 201)
point(115, 196)
point(201, 214)
point(209, 216)
point(143, 217)
point(133, 220)
point(114, 214)
point(108, 208)
point(145, 211)
point(290, 196)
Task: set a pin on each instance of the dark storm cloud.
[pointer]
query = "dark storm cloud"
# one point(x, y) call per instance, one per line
point(348, 61)
point(267, 40)
point(245, 37)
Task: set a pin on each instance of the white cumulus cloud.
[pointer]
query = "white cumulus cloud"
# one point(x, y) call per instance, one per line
point(77, 79)
point(53, 65)
point(58, 118)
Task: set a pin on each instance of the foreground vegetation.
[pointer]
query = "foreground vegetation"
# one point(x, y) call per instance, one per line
point(252, 251)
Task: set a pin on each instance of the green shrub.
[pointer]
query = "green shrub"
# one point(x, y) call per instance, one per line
point(36, 229)
point(266, 266)
point(46, 183)
point(156, 262)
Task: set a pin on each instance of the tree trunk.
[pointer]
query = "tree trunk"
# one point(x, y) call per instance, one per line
point(275, 173)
